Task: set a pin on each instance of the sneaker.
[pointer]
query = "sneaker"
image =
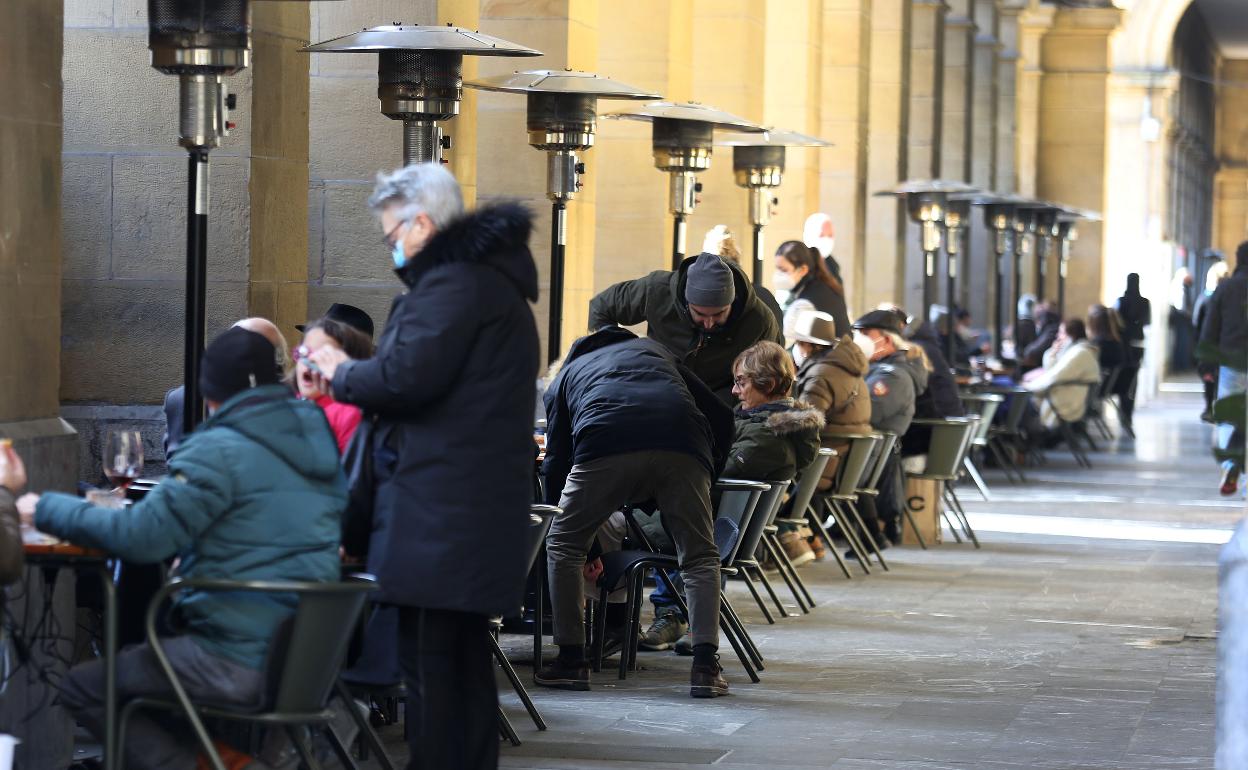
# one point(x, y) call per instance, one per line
point(664, 631)
point(797, 549)
point(1230, 479)
point(707, 681)
point(817, 548)
point(684, 645)
point(562, 675)
point(232, 758)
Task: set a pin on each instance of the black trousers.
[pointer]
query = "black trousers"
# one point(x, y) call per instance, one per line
point(452, 698)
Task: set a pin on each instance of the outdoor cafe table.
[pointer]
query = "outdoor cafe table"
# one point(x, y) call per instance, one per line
point(66, 555)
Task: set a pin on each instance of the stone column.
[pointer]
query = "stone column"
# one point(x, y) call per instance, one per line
point(884, 268)
point(1230, 202)
point(1075, 135)
point(650, 46)
point(925, 72)
point(1008, 57)
point(567, 32)
point(1033, 23)
point(845, 97)
point(959, 90)
point(975, 285)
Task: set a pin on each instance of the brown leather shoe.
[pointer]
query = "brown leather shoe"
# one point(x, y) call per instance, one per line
point(562, 675)
point(707, 681)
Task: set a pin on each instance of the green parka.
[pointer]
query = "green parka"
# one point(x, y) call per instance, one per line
point(774, 441)
point(658, 299)
point(256, 493)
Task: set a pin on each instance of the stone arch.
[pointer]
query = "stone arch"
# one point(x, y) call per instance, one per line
point(1146, 38)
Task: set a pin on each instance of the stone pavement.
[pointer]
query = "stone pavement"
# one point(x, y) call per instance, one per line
point(1089, 645)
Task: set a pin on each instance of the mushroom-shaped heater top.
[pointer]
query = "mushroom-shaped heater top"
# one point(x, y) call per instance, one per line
point(420, 75)
point(758, 159)
point(562, 115)
point(926, 201)
point(683, 132)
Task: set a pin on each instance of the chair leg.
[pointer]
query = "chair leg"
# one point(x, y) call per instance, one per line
point(787, 573)
point(761, 577)
point(340, 751)
point(539, 609)
point(758, 599)
point(743, 636)
point(726, 629)
point(300, 739)
point(505, 729)
point(976, 477)
point(367, 734)
point(868, 537)
point(999, 456)
point(961, 514)
point(517, 685)
point(636, 587)
point(600, 630)
point(851, 537)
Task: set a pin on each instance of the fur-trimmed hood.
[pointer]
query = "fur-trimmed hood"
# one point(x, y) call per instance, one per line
point(496, 235)
point(786, 416)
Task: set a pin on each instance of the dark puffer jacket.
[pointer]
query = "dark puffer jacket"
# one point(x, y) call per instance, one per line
point(1224, 338)
point(824, 298)
point(658, 299)
point(255, 493)
point(451, 385)
point(773, 441)
point(833, 381)
point(617, 393)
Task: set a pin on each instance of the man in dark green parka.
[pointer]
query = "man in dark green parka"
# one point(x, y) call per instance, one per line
point(256, 493)
point(706, 313)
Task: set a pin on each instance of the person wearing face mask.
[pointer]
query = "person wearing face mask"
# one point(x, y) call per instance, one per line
point(705, 313)
point(941, 397)
point(801, 273)
point(819, 234)
point(897, 375)
point(451, 391)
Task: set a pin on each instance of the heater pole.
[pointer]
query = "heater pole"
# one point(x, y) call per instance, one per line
point(929, 268)
point(558, 248)
point(1062, 256)
point(678, 241)
point(196, 285)
point(951, 288)
point(758, 254)
point(1002, 290)
point(1017, 276)
point(1042, 255)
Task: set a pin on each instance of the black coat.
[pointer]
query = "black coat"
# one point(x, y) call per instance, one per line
point(940, 399)
point(1224, 338)
point(825, 299)
point(617, 393)
point(452, 387)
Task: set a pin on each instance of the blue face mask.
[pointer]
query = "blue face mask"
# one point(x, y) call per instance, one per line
point(400, 257)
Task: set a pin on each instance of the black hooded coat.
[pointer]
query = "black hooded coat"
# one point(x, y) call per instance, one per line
point(451, 386)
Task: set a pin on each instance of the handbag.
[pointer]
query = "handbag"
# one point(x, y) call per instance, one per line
point(357, 464)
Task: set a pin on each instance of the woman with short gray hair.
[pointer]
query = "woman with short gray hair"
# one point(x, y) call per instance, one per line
point(451, 391)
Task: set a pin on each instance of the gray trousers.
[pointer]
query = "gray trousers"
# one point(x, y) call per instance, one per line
point(594, 490)
point(155, 740)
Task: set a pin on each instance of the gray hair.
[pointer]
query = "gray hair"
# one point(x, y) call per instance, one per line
point(421, 188)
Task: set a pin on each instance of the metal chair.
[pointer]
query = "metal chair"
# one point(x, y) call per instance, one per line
point(303, 663)
point(1005, 441)
point(840, 502)
point(985, 405)
point(950, 439)
point(745, 563)
point(1073, 431)
point(1105, 393)
point(803, 495)
point(627, 568)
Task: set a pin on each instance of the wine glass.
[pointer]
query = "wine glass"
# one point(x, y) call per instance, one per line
point(123, 457)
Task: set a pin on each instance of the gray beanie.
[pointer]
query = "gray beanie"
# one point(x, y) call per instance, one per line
point(709, 282)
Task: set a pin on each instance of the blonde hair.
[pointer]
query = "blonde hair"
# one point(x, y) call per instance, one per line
point(912, 351)
point(768, 367)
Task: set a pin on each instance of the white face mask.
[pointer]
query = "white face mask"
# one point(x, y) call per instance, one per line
point(825, 244)
point(799, 356)
point(865, 344)
point(782, 280)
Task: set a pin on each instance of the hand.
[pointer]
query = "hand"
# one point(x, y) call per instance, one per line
point(26, 505)
point(12, 471)
point(592, 570)
point(327, 359)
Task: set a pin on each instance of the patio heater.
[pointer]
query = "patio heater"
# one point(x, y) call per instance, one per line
point(1024, 225)
point(926, 202)
point(1000, 212)
point(682, 134)
point(420, 76)
point(1046, 231)
point(758, 166)
point(957, 215)
point(201, 42)
point(562, 112)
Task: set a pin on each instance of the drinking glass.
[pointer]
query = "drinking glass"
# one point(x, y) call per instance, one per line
point(123, 457)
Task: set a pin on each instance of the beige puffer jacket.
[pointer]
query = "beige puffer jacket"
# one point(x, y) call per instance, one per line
point(833, 381)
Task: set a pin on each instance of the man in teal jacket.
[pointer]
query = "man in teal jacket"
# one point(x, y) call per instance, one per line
point(256, 493)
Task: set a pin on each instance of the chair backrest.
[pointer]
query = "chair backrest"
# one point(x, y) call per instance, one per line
point(320, 630)
point(855, 461)
point(808, 481)
point(540, 518)
point(738, 502)
point(984, 405)
point(1109, 379)
point(949, 438)
point(879, 459)
point(752, 534)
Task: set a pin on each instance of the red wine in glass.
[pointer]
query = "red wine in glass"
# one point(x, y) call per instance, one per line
point(123, 457)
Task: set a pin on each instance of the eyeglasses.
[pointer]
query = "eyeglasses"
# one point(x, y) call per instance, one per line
point(389, 238)
point(740, 382)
